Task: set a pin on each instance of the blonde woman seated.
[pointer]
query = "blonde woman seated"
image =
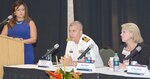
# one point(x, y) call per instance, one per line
point(131, 38)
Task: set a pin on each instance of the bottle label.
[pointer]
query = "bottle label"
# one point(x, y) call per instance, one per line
point(116, 63)
point(88, 60)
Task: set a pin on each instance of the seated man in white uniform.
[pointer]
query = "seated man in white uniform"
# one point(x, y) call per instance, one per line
point(78, 43)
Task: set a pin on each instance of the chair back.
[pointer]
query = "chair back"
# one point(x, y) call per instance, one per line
point(106, 54)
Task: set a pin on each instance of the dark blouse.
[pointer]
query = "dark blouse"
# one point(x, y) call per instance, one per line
point(142, 57)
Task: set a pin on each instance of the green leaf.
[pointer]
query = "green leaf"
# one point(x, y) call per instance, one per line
point(72, 70)
point(68, 76)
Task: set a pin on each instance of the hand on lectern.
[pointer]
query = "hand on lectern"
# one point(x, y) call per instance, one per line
point(19, 39)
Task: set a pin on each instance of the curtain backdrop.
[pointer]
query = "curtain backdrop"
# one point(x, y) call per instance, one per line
point(50, 17)
point(102, 19)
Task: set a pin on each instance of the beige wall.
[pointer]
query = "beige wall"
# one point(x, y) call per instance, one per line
point(70, 12)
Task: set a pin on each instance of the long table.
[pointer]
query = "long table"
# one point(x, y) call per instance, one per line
point(35, 72)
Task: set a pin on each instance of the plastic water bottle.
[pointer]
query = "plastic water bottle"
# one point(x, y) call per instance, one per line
point(49, 56)
point(116, 63)
point(88, 58)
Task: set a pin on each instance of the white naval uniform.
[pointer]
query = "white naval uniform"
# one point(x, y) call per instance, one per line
point(74, 50)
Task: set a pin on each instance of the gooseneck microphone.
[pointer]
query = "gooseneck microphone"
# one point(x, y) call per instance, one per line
point(51, 50)
point(7, 19)
point(84, 53)
point(134, 52)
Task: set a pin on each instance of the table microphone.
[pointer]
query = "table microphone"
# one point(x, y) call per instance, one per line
point(134, 52)
point(84, 53)
point(51, 50)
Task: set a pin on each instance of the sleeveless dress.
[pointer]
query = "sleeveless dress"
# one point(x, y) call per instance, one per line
point(22, 30)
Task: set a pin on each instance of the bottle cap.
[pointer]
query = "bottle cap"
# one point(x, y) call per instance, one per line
point(116, 53)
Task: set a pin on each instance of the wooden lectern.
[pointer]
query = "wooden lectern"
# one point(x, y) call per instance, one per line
point(11, 52)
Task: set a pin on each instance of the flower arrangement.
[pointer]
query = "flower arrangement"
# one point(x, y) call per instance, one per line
point(60, 74)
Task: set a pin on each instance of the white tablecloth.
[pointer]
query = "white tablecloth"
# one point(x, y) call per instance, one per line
point(104, 70)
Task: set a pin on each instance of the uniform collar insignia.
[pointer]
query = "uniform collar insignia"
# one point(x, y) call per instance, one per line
point(85, 39)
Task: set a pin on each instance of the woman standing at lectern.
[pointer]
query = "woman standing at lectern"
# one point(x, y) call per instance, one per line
point(23, 28)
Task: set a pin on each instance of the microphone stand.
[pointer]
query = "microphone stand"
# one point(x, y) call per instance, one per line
point(130, 60)
point(149, 63)
point(2, 26)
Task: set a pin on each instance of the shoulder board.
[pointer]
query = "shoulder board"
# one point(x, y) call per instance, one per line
point(85, 39)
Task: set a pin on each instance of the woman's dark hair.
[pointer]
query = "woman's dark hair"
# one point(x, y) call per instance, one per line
point(15, 6)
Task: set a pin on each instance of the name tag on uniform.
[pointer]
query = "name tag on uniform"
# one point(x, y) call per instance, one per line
point(70, 51)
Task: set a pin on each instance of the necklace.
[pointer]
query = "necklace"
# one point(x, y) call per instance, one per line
point(19, 22)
